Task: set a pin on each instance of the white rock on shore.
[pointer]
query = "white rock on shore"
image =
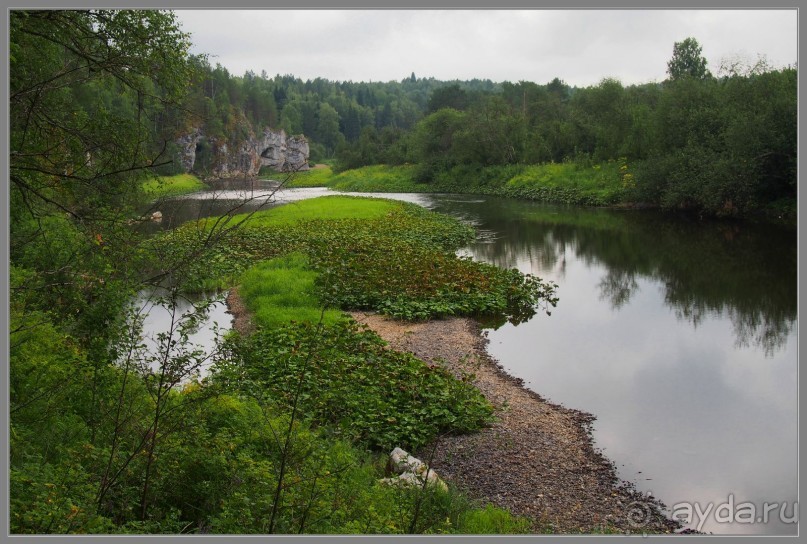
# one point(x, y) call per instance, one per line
point(411, 471)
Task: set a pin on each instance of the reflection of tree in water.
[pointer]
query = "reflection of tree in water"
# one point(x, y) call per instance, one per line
point(617, 287)
point(742, 271)
point(761, 330)
point(541, 258)
point(767, 330)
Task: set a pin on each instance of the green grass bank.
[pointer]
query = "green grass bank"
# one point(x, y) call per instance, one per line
point(178, 184)
point(603, 184)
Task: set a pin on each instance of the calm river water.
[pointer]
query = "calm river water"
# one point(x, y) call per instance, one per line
point(680, 336)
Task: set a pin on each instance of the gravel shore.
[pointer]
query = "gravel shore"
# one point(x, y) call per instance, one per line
point(536, 460)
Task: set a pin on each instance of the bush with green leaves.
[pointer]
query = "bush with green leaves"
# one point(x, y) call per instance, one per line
point(344, 377)
point(416, 282)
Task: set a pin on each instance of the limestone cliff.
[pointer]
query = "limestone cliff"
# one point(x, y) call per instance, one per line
point(281, 152)
point(212, 157)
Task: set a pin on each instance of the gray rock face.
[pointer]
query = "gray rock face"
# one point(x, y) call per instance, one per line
point(273, 148)
point(286, 154)
point(187, 152)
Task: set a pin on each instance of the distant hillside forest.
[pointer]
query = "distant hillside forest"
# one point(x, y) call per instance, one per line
point(721, 144)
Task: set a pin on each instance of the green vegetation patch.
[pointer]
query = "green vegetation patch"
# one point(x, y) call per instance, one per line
point(316, 177)
point(413, 282)
point(323, 208)
point(290, 228)
point(562, 183)
point(172, 185)
point(329, 486)
point(282, 290)
point(492, 521)
point(570, 183)
point(393, 257)
point(379, 178)
point(344, 377)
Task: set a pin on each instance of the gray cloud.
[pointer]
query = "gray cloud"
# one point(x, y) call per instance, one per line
point(580, 47)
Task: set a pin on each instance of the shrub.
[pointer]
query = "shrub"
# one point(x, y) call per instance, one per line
point(353, 384)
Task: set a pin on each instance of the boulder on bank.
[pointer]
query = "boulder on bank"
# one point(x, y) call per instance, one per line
point(411, 471)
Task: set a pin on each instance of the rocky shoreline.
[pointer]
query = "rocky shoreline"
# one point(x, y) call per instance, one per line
point(537, 460)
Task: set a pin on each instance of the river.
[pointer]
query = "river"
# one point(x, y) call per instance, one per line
point(679, 335)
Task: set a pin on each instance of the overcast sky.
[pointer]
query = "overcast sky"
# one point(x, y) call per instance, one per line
point(579, 47)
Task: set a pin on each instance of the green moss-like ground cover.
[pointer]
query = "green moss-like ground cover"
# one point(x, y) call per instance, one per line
point(371, 254)
point(172, 185)
point(282, 290)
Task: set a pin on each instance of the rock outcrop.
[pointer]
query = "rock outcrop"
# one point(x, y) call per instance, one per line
point(283, 153)
point(213, 158)
point(412, 472)
point(187, 149)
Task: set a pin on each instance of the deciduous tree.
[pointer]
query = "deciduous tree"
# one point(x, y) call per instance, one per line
point(687, 61)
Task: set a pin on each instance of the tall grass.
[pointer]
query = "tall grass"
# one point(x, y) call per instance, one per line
point(564, 183)
point(282, 290)
point(380, 178)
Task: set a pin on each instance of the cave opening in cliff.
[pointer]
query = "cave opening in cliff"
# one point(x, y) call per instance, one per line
point(268, 152)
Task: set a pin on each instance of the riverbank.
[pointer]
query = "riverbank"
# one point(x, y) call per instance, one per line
point(608, 184)
point(537, 460)
point(562, 183)
point(179, 184)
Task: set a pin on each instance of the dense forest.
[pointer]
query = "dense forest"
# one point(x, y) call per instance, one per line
point(110, 435)
point(720, 144)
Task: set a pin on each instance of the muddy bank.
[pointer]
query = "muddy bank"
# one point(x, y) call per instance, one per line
point(242, 321)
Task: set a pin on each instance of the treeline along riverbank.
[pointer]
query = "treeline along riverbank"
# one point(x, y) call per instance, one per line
point(718, 144)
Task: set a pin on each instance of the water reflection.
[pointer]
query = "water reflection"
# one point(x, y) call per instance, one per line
point(161, 317)
point(678, 335)
point(617, 287)
point(745, 273)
